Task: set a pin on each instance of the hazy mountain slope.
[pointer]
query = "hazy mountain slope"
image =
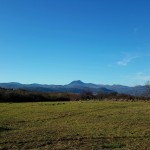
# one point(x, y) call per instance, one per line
point(76, 87)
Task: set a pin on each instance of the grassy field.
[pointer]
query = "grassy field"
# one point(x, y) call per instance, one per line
point(75, 125)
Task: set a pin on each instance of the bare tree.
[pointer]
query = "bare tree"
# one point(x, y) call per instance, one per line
point(147, 89)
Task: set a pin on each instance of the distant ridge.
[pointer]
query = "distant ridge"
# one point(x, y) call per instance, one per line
point(76, 86)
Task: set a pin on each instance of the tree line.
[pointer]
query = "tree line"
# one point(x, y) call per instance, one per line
point(20, 95)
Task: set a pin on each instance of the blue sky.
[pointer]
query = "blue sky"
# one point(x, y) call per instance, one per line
point(57, 41)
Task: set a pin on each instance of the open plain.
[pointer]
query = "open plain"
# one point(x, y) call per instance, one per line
point(75, 125)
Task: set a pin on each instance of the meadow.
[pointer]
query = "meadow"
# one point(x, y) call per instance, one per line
point(85, 125)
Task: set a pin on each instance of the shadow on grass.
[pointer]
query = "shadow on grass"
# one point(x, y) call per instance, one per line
point(113, 146)
point(3, 129)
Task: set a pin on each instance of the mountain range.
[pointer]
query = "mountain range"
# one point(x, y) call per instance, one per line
point(76, 87)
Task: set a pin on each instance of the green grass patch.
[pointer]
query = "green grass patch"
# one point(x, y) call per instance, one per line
point(75, 125)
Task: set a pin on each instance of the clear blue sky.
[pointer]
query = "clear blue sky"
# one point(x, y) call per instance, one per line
point(57, 41)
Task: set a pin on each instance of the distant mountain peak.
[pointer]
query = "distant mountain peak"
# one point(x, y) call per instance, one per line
point(77, 83)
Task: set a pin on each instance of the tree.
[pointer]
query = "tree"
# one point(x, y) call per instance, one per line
point(147, 89)
point(87, 95)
